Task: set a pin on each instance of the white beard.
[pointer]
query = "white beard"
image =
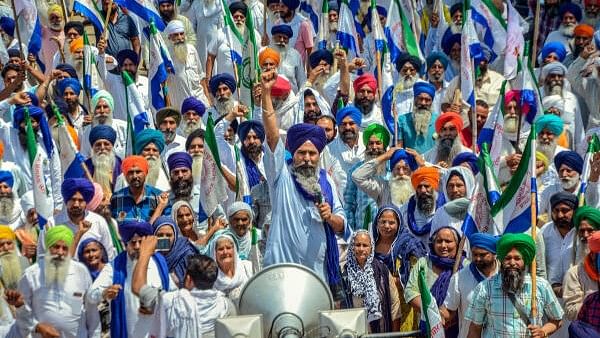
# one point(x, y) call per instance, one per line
point(272, 16)
point(408, 81)
point(189, 127)
point(320, 81)
point(241, 28)
point(566, 30)
point(225, 107)
point(104, 165)
point(78, 65)
point(555, 90)
point(197, 166)
point(547, 149)
point(180, 52)
point(11, 270)
point(400, 189)
point(7, 207)
point(56, 27)
point(282, 50)
point(511, 124)
point(333, 27)
point(154, 168)
point(56, 271)
point(569, 183)
point(421, 119)
point(455, 29)
point(108, 122)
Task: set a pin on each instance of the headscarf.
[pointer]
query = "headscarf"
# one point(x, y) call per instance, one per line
point(468, 158)
point(349, 111)
point(174, 26)
point(7, 177)
point(423, 87)
point(147, 136)
point(58, 233)
point(282, 29)
point(554, 47)
point(193, 104)
point(268, 53)
point(569, 158)
point(134, 161)
point(178, 160)
point(437, 56)
point(522, 242)
point(563, 197)
point(223, 282)
point(80, 250)
point(131, 227)
point(7, 233)
point(592, 215)
point(320, 55)
point(103, 95)
point(429, 174)
point(465, 174)
point(553, 123)
point(76, 44)
point(378, 131)
point(245, 242)
point(70, 186)
point(452, 117)
point(300, 133)
point(362, 280)
point(37, 113)
point(183, 203)
point(251, 125)
point(102, 132)
point(401, 154)
point(387, 258)
point(446, 264)
point(366, 79)
point(127, 54)
point(223, 78)
point(483, 241)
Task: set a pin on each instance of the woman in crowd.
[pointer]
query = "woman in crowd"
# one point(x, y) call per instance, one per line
point(187, 222)
point(93, 255)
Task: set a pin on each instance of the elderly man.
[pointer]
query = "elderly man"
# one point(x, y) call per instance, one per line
point(192, 111)
point(103, 106)
point(138, 200)
point(583, 79)
point(415, 129)
point(570, 15)
point(52, 35)
point(10, 204)
point(583, 34)
point(187, 79)
point(12, 263)
point(409, 70)
point(320, 73)
point(448, 126)
point(222, 87)
point(194, 145)
point(315, 245)
point(104, 165)
point(168, 121)
point(360, 208)
point(549, 127)
point(500, 305)
point(53, 284)
point(150, 143)
point(553, 78)
point(569, 166)
point(168, 12)
point(291, 65)
point(114, 284)
point(463, 283)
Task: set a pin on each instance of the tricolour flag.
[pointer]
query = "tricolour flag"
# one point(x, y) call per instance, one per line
point(593, 147)
point(307, 7)
point(234, 37)
point(89, 10)
point(471, 53)
point(249, 73)
point(30, 28)
point(478, 213)
point(530, 94)
point(144, 9)
point(430, 314)
point(137, 117)
point(90, 72)
point(400, 37)
point(71, 161)
point(212, 183)
point(323, 25)
point(514, 43)
point(490, 27)
point(346, 33)
point(160, 61)
point(242, 190)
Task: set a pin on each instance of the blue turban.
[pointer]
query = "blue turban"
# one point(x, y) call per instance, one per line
point(401, 154)
point(131, 227)
point(192, 103)
point(413, 60)
point(424, 87)
point(367, 20)
point(320, 55)
point(180, 159)
point(551, 122)
point(164, 1)
point(483, 241)
point(245, 127)
point(36, 113)
point(350, 111)
point(7, 177)
point(469, 158)
point(68, 82)
point(302, 132)
point(571, 8)
point(147, 136)
point(569, 158)
point(448, 41)
point(67, 68)
point(437, 56)
point(282, 29)
point(556, 48)
point(8, 25)
point(291, 4)
point(223, 78)
point(82, 185)
point(102, 132)
point(127, 54)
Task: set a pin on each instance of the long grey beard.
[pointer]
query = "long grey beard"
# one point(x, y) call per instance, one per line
point(512, 280)
point(447, 154)
point(189, 127)
point(400, 189)
point(7, 207)
point(11, 270)
point(555, 90)
point(282, 50)
point(511, 124)
point(308, 178)
point(421, 119)
point(107, 122)
point(224, 107)
point(320, 81)
point(569, 183)
point(180, 52)
point(241, 29)
point(566, 30)
point(56, 271)
point(154, 168)
point(104, 165)
point(547, 149)
point(197, 166)
point(408, 81)
point(456, 29)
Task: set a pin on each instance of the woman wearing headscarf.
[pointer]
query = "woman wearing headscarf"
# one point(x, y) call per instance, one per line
point(233, 271)
point(93, 255)
point(189, 227)
point(180, 248)
point(438, 270)
point(371, 285)
point(457, 186)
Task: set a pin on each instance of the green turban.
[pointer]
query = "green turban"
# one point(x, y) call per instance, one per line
point(522, 242)
point(58, 233)
point(378, 131)
point(588, 213)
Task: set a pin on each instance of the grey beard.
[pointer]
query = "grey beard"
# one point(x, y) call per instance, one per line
point(180, 52)
point(281, 49)
point(272, 16)
point(308, 178)
point(197, 166)
point(569, 182)
point(512, 280)
point(400, 189)
point(154, 168)
point(421, 119)
point(104, 165)
point(56, 27)
point(426, 203)
point(511, 124)
point(320, 81)
point(333, 26)
point(96, 120)
point(189, 127)
point(224, 107)
point(446, 151)
point(555, 90)
point(11, 270)
point(547, 149)
point(56, 271)
point(7, 206)
point(408, 81)
point(241, 29)
point(566, 30)
point(456, 29)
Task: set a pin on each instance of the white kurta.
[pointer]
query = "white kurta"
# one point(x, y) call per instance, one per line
point(187, 79)
point(347, 156)
point(207, 19)
point(559, 252)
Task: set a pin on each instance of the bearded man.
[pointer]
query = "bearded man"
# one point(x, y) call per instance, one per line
point(415, 129)
point(104, 165)
point(437, 63)
point(348, 147)
point(52, 35)
point(150, 143)
point(168, 12)
point(11, 263)
point(583, 34)
point(304, 33)
point(168, 121)
point(320, 73)
point(569, 166)
point(103, 106)
point(10, 204)
point(570, 15)
point(194, 145)
point(448, 126)
point(591, 11)
point(182, 183)
point(291, 65)
point(549, 127)
point(222, 87)
point(192, 111)
point(69, 89)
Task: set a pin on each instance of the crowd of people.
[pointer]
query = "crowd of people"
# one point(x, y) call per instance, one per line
point(119, 218)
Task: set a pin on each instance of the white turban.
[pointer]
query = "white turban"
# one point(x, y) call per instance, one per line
point(175, 26)
point(27, 202)
point(553, 68)
point(240, 206)
point(555, 101)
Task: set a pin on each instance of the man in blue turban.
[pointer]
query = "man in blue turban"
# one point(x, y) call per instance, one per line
point(192, 111)
point(553, 52)
point(569, 166)
point(104, 165)
point(416, 128)
point(180, 176)
point(10, 206)
point(69, 89)
point(437, 63)
point(222, 87)
point(348, 147)
point(252, 136)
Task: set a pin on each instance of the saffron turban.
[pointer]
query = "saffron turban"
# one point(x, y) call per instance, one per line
point(70, 186)
point(378, 131)
point(97, 199)
point(68, 82)
point(134, 161)
point(563, 197)
point(569, 7)
point(291, 4)
point(320, 55)
point(584, 30)
point(174, 26)
point(102, 132)
point(165, 112)
point(452, 117)
point(148, 136)
point(281, 88)
point(127, 54)
point(223, 78)
point(423, 87)
point(239, 206)
point(483, 241)
point(193, 104)
point(522, 242)
point(552, 122)
point(76, 45)
point(554, 47)
point(437, 56)
point(179, 160)
point(7, 24)
point(468, 158)
point(132, 227)
point(282, 29)
point(300, 133)
point(349, 111)
point(365, 79)
point(1, 150)
point(413, 60)
point(569, 158)
point(400, 155)
point(428, 174)
point(594, 242)
point(7, 177)
point(588, 213)
point(268, 53)
point(103, 95)
point(7, 233)
point(448, 42)
point(245, 127)
point(58, 233)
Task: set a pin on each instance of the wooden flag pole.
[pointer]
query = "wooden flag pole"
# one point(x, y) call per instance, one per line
point(17, 30)
point(64, 10)
point(107, 18)
point(536, 33)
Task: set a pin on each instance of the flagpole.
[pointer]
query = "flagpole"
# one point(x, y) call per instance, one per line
point(379, 73)
point(63, 7)
point(536, 33)
point(534, 309)
point(17, 30)
point(107, 18)
point(474, 116)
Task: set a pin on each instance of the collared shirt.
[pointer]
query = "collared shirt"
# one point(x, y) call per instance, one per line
point(577, 285)
point(120, 34)
point(347, 156)
point(178, 145)
point(590, 311)
point(493, 309)
point(123, 204)
point(408, 134)
point(559, 252)
point(119, 126)
point(360, 208)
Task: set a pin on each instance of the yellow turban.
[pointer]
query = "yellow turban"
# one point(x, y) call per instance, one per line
point(55, 9)
point(541, 157)
point(58, 233)
point(268, 53)
point(7, 233)
point(76, 44)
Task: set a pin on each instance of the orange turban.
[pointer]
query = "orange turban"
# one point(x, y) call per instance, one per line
point(583, 30)
point(134, 161)
point(428, 174)
point(268, 53)
point(1, 150)
point(76, 44)
point(448, 117)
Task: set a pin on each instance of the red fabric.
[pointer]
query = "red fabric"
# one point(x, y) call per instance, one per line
point(134, 161)
point(365, 79)
point(583, 30)
point(281, 87)
point(1, 150)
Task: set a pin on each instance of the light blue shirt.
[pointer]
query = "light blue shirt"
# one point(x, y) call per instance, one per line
point(296, 234)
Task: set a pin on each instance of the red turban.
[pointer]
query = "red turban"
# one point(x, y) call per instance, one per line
point(365, 79)
point(594, 242)
point(281, 87)
point(583, 30)
point(448, 117)
point(1, 150)
point(134, 161)
point(428, 174)
point(591, 2)
point(268, 53)
point(512, 95)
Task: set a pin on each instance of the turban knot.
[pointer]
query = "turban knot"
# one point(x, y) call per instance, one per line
point(378, 131)
point(70, 186)
point(134, 161)
point(569, 158)
point(58, 233)
point(148, 136)
point(428, 174)
point(300, 133)
point(522, 242)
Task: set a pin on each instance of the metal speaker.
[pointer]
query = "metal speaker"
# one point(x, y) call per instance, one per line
point(289, 296)
point(350, 323)
point(239, 327)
